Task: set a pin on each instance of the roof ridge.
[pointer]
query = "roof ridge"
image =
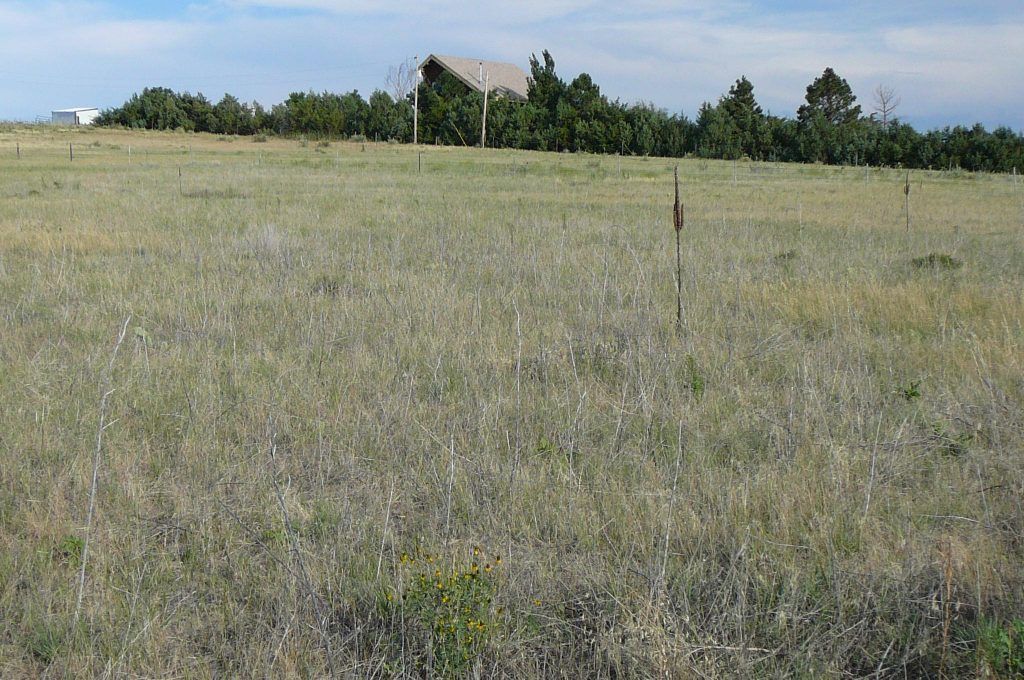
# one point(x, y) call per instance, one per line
point(504, 77)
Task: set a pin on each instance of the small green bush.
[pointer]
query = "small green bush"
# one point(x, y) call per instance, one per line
point(911, 392)
point(695, 378)
point(452, 608)
point(1001, 648)
point(952, 444)
point(70, 549)
point(45, 642)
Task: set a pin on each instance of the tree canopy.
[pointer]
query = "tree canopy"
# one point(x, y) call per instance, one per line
point(578, 116)
point(832, 98)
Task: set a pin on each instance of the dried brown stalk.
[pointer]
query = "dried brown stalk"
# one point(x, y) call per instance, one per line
point(678, 219)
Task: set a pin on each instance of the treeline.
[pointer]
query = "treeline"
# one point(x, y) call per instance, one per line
point(830, 127)
point(321, 115)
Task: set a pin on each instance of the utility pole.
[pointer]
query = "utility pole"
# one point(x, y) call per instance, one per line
point(416, 104)
point(483, 124)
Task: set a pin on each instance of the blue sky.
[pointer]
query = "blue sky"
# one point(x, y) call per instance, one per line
point(950, 62)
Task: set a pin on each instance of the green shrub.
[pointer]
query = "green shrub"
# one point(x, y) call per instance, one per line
point(695, 378)
point(953, 444)
point(911, 392)
point(70, 549)
point(452, 609)
point(44, 642)
point(938, 261)
point(1001, 648)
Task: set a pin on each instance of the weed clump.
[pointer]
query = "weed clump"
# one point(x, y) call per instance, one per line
point(951, 444)
point(45, 643)
point(451, 609)
point(1001, 649)
point(326, 285)
point(937, 261)
point(695, 379)
point(70, 549)
point(911, 392)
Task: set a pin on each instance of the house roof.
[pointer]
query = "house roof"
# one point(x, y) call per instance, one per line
point(76, 110)
point(504, 79)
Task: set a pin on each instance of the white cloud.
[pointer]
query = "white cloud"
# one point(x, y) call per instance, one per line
point(674, 53)
point(522, 12)
point(57, 30)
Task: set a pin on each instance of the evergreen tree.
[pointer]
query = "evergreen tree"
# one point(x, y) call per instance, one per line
point(388, 119)
point(199, 111)
point(718, 136)
point(832, 97)
point(829, 123)
point(747, 119)
point(232, 117)
point(589, 113)
point(740, 101)
point(545, 88)
point(578, 117)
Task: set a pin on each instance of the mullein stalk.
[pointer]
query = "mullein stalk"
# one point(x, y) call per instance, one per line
point(677, 221)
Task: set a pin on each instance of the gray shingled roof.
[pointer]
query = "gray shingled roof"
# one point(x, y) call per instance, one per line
point(505, 79)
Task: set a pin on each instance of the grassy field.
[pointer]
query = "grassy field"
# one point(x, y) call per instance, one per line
point(370, 420)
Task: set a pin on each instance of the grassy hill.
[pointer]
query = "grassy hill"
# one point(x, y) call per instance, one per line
point(378, 414)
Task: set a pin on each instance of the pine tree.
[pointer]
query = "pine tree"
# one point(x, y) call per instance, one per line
point(545, 87)
point(747, 117)
point(832, 97)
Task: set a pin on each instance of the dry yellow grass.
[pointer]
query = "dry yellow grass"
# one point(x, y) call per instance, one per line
point(334, 359)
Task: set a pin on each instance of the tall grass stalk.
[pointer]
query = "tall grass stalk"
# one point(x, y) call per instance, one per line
point(105, 392)
point(677, 221)
point(906, 200)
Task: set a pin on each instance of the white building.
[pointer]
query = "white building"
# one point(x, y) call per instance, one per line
point(79, 116)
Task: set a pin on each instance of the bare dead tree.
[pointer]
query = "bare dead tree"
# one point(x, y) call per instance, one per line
point(401, 79)
point(886, 101)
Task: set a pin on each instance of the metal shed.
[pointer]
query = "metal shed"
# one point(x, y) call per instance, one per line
point(76, 116)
